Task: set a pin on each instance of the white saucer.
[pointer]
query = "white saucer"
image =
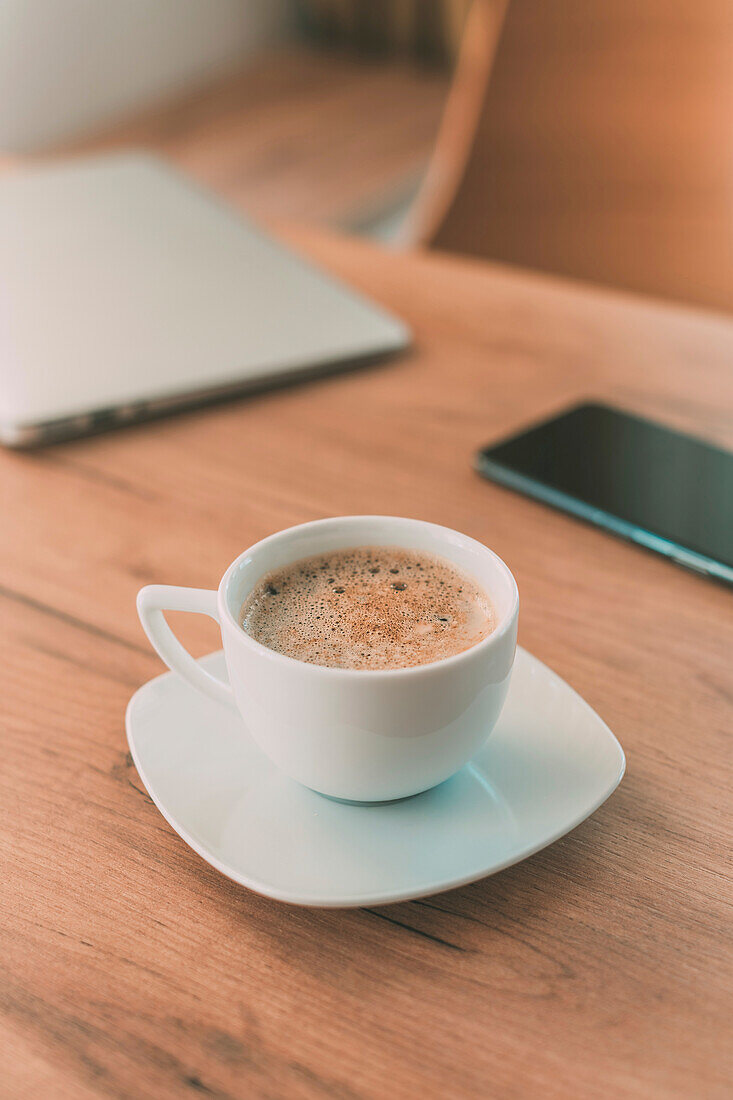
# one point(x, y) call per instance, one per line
point(550, 762)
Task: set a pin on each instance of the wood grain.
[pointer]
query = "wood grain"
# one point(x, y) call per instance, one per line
point(600, 967)
point(601, 151)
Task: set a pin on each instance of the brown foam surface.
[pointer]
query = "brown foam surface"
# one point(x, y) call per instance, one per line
point(370, 607)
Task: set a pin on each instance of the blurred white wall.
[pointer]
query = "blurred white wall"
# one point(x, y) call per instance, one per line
point(68, 66)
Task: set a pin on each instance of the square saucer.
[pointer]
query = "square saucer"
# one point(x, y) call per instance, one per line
point(548, 765)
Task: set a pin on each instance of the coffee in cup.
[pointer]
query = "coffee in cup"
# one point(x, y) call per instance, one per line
point(368, 607)
point(410, 722)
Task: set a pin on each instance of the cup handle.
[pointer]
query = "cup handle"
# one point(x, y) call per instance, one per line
point(152, 601)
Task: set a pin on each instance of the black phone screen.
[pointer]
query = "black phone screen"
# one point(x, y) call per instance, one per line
point(669, 491)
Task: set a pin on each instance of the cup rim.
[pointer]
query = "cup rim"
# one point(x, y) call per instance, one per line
point(373, 674)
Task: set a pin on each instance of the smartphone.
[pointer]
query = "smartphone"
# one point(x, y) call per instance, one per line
point(657, 487)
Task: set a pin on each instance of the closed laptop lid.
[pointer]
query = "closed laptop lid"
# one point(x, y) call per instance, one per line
point(122, 283)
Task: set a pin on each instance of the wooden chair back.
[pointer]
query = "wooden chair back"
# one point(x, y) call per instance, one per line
point(602, 147)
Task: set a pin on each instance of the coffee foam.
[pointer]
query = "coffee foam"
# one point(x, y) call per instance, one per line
point(370, 607)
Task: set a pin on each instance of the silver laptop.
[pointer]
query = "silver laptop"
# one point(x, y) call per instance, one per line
point(126, 291)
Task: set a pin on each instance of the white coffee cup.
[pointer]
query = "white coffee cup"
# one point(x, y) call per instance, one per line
point(363, 735)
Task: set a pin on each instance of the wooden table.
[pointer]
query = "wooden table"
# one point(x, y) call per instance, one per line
point(598, 968)
point(280, 138)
